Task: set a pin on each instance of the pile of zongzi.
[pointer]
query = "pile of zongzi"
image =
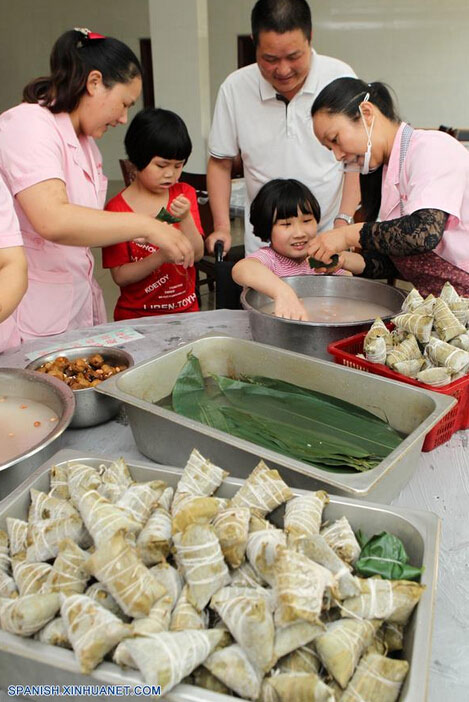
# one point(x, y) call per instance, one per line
point(430, 341)
point(187, 586)
point(303, 424)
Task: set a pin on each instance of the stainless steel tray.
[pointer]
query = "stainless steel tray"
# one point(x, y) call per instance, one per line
point(419, 531)
point(167, 437)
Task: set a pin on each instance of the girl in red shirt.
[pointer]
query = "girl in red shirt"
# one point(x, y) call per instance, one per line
point(158, 145)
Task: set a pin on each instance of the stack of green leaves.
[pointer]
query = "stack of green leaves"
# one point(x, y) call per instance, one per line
point(296, 422)
point(384, 554)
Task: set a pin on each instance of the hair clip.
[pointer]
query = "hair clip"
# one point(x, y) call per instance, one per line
point(88, 34)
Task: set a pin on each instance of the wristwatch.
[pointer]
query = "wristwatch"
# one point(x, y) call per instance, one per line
point(347, 218)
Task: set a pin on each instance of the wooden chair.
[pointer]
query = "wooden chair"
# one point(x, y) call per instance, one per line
point(128, 171)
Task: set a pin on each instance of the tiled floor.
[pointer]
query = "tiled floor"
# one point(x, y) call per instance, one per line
point(111, 290)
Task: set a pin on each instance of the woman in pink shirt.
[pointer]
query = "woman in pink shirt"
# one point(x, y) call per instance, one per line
point(53, 168)
point(418, 188)
point(13, 269)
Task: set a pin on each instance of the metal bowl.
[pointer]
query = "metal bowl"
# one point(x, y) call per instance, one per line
point(54, 394)
point(91, 408)
point(313, 338)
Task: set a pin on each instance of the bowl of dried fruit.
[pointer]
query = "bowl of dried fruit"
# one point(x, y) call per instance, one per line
point(82, 369)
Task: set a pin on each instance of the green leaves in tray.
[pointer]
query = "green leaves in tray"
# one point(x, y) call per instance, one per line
point(302, 424)
point(165, 216)
point(316, 263)
point(384, 554)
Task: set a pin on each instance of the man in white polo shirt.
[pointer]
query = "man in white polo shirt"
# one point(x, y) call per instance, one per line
point(263, 112)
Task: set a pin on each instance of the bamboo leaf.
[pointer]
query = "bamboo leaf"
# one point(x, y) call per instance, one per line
point(294, 421)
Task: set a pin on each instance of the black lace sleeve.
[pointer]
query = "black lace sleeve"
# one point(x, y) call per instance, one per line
point(416, 233)
point(378, 266)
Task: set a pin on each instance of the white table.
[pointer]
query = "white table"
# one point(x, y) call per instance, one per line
point(441, 485)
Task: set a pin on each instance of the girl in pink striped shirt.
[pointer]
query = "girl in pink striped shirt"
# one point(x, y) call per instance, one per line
point(286, 214)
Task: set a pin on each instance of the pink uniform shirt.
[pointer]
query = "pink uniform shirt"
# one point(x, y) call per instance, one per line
point(10, 235)
point(435, 175)
point(284, 266)
point(36, 145)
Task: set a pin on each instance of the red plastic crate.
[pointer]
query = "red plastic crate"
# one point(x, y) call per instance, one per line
point(344, 352)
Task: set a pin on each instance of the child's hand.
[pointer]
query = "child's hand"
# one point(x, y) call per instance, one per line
point(180, 207)
point(289, 306)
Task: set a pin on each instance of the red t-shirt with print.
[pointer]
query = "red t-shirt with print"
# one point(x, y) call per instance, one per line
point(169, 288)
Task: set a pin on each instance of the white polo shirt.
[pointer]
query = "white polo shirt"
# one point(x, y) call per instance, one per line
point(276, 140)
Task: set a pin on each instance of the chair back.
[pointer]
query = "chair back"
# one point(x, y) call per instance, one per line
point(199, 183)
point(128, 171)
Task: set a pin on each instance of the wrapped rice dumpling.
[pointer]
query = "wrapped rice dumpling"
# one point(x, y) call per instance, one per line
point(377, 679)
point(300, 585)
point(232, 666)
point(302, 660)
point(443, 354)
point(262, 551)
point(303, 516)
point(446, 324)
point(342, 644)
point(232, 528)
point(30, 577)
point(54, 634)
point(59, 482)
point(154, 541)
point(391, 600)
point(340, 537)
point(301, 687)
point(407, 350)
point(292, 637)
point(26, 615)
point(375, 349)
point(317, 549)
point(166, 658)
point(199, 555)
point(263, 491)
point(119, 568)
point(418, 325)
point(379, 330)
point(413, 300)
point(200, 476)
point(247, 614)
point(171, 579)
point(91, 629)
point(185, 616)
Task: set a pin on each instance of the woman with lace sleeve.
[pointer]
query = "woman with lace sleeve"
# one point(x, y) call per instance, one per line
point(415, 189)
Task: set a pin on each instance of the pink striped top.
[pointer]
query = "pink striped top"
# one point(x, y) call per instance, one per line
point(283, 266)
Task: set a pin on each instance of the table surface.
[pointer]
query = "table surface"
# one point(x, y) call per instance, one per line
point(440, 485)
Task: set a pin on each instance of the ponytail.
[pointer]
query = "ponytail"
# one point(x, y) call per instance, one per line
point(344, 96)
point(74, 55)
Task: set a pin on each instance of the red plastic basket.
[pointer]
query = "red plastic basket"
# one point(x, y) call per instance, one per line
point(344, 352)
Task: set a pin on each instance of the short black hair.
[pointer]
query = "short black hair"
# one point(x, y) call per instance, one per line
point(157, 132)
point(280, 199)
point(281, 16)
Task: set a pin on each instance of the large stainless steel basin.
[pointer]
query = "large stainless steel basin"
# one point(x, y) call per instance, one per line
point(54, 394)
point(313, 338)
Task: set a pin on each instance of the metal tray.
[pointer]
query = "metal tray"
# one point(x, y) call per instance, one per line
point(167, 437)
point(419, 531)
